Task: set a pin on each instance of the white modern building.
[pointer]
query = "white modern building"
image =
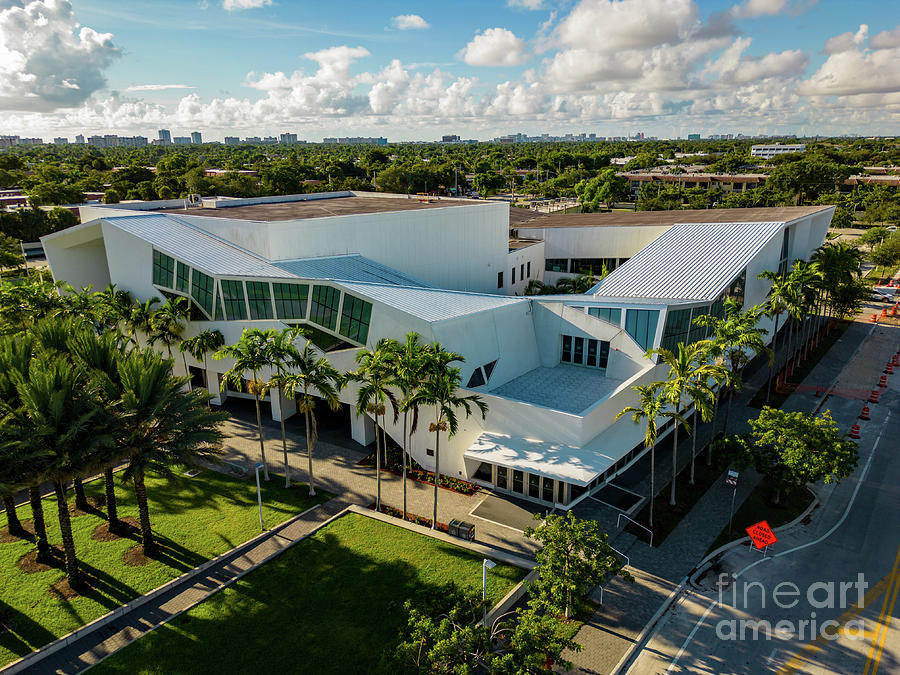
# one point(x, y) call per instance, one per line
point(769, 151)
point(358, 267)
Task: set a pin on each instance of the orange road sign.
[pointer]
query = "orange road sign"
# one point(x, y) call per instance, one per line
point(761, 534)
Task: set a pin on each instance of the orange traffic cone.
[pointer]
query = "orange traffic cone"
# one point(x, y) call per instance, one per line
point(854, 431)
point(864, 413)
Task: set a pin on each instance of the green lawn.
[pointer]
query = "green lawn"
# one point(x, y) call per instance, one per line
point(195, 518)
point(330, 604)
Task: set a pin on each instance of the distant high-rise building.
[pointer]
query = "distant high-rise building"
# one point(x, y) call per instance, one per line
point(196, 137)
point(253, 139)
point(356, 140)
point(59, 140)
point(453, 138)
point(693, 137)
point(97, 141)
point(232, 140)
point(288, 139)
point(165, 136)
point(79, 139)
point(181, 140)
point(270, 140)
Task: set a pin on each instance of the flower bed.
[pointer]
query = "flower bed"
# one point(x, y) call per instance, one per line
point(411, 517)
point(417, 473)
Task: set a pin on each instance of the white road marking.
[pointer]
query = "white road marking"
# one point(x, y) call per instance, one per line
point(690, 637)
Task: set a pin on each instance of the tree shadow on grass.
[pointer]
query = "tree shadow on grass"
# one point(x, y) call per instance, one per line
point(334, 607)
point(18, 632)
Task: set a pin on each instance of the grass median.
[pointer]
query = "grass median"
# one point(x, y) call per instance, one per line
point(331, 604)
point(195, 519)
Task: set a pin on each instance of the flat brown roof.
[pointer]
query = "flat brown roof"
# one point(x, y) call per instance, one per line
point(320, 208)
point(638, 218)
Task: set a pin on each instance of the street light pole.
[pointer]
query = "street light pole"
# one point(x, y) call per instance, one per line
point(485, 566)
point(259, 496)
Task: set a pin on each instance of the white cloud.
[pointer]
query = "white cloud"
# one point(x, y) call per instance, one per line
point(237, 5)
point(856, 72)
point(409, 22)
point(847, 41)
point(754, 8)
point(610, 25)
point(494, 47)
point(886, 39)
point(47, 60)
point(525, 4)
point(733, 67)
point(157, 87)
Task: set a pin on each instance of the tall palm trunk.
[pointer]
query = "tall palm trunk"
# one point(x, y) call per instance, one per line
point(405, 445)
point(377, 467)
point(437, 474)
point(112, 510)
point(774, 359)
point(65, 528)
point(674, 461)
point(309, 451)
point(287, 467)
point(187, 373)
point(709, 448)
point(81, 502)
point(12, 517)
point(262, 447)
point(37, 515)
point(206, 379)
point(789, 361)
point(652, 481)
point(693, 442)
point(140, 492)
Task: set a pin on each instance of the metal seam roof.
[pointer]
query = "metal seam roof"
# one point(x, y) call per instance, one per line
point(690, 261)
point(196, 247)
point(430, 304)
point(347, 268)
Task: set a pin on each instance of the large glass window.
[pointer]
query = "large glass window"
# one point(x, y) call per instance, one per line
point(233, 294)
point(163, 269)
point(697, 332)
point(736, 289)
point(534, 486)
point(518, 481)
point(547, 490)
point(678, 324)
point(183, 278)
point(595, 266)
point(259, 299)
point(584, 351)
point(220, 312)
point(578, 352)
point(603, 354)
point(324, 308)
point(567, 348)
point(502, 477)
point(355, 315)
point(611, 314)
point(557, 265)
point(202, 290)
point(290, 300)
point(640, 324)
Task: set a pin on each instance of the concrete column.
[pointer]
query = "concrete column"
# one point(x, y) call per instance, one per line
point(282, 408)
point(213, 384)
point(362, 428)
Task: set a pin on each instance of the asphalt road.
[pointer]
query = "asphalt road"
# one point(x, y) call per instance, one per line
point(835, 610)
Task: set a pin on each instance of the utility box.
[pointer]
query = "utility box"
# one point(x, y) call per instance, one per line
point(466, 531)
point(453, 528)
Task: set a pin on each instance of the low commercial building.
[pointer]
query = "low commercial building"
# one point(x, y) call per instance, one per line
point(770, 151)
point(358, 267)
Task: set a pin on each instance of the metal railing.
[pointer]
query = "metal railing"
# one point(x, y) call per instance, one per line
point(622, 515)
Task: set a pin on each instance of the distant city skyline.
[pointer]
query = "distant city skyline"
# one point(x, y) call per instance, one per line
point(666, 68)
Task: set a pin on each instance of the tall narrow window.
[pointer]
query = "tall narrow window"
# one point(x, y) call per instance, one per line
point(578, 356)
point(603, 356)
point(324, 308)
point(528, 268)
point(499, 279)
point(202, 290)
point(591, 353)
point(522, 271)
point(163, 269)
point(233, 295)
point(567, 348)
point(183, 278)
point(512, 275)
point(355, 315)
point(260, 300)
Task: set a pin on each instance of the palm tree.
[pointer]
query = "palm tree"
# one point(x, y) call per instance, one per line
point(408, 363)
point(167, 323)
point(141, 319)
point(439, 390)
point(200, 345)
point(651, 406)
point(251, 355)
point(776, 305)
point(311, 375)
point(375, 377)
point(113, 307)
point(101, 355)
point(681, 375)
point(61, 417)
point(282, 353)
point(162, 426)
point(733, 337)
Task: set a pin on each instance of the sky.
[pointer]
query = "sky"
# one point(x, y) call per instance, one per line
point(419, 70)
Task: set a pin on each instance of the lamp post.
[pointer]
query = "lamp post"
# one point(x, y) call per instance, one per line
point(259, 466)
point(485, 566)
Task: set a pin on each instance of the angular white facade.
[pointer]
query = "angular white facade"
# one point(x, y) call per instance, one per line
point(554, 370)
